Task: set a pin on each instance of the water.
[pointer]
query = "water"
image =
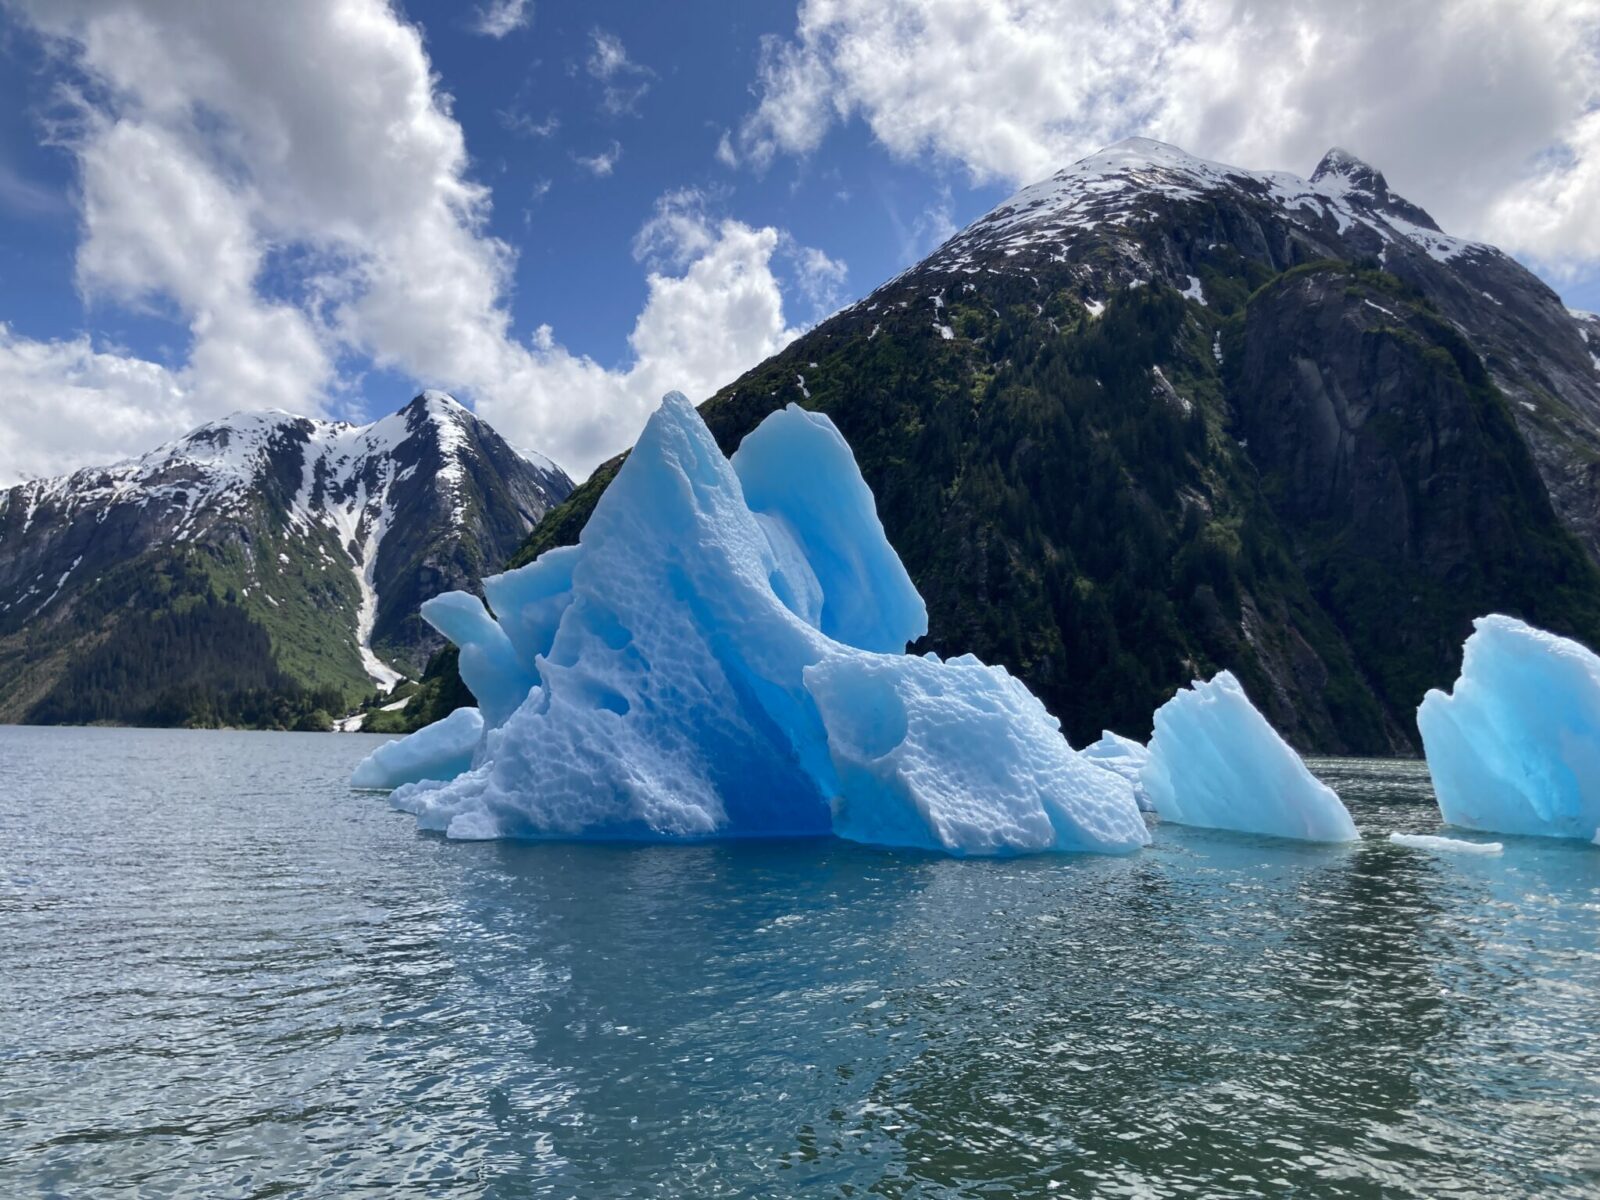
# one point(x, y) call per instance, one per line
point(222, 973)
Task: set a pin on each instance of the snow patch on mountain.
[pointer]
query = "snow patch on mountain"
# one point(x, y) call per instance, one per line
point(346, 485)
point(1120, 186)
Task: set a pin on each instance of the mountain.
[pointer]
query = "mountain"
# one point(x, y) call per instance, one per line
point(260, 560)
point(1157, 416)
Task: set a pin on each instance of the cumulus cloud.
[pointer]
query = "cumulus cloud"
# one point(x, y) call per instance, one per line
point(287, 181)
point(1483, 110)
point(678, 232)
point(697, 331)
point(68, 405)
point(501, 17)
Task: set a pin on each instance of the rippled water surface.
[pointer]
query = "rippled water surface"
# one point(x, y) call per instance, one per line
point(223, 973)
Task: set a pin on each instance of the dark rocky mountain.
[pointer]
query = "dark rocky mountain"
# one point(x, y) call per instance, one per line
point(1157, 416)
point(263, 564)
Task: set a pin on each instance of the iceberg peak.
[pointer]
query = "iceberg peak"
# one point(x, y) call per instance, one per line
point(1216, 762)
point(722, 655)
point(1515, 746)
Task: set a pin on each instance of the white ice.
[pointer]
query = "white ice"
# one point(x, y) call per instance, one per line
point(1216, 762)
point(1124, 757)
point(1444, 845)
point(960, 757)
point(1515, 747)
point(722, 655)
point(439, 751)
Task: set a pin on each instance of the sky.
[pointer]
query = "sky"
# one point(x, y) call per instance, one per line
point(560, 211)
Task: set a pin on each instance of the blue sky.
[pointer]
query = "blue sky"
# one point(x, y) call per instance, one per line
point(330, 205)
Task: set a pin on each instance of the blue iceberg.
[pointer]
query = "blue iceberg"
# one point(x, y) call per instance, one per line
point(1125, 757)
point(1216, 762)
point(960, 757)
point(440, 751)
point(723, 655)
point(1515, 746)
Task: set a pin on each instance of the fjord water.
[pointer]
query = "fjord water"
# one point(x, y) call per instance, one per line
point(224, 973)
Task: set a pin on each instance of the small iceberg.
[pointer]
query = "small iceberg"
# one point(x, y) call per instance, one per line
point(723, 655)
point(439, 751)
point(1515, 746)
point(1125, 757)
point(1445, 845)
point(1216, 762)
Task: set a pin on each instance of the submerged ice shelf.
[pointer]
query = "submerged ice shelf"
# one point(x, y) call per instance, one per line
point(1515, 746)
point(723, 655)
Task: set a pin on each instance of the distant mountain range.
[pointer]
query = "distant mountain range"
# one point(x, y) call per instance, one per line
point(256, 570)
point(1157, 416)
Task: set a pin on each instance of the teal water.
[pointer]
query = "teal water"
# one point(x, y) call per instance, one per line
point(223, 973)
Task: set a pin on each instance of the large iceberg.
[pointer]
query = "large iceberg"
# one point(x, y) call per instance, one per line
point(1515, 747)
point(1124, 757)
point(1216, 762)
point(722, 655)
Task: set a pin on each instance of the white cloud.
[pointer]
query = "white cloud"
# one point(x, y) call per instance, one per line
point(161, 223)
point(514, 120)
point(603, 163)
point(677, 232)
point(697, 331)
point(288, 182)
point(821, 279)
point(68, 406)
point(501, 17)
point(1482, 110)
point(624, 81)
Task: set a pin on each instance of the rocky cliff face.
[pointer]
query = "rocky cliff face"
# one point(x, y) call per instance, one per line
point(1156, 416)
point(324, 536)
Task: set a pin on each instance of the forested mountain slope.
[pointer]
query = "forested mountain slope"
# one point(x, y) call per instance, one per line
point(256, 570)
point(1157, 416)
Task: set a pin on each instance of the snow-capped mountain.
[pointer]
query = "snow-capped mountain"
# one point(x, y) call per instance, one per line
point(327, 534)
point(1156, 416)
point(1544, 358)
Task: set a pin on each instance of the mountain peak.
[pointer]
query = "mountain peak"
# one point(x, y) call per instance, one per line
point(435, 403)
point(1340, 170)
point(1358, 174)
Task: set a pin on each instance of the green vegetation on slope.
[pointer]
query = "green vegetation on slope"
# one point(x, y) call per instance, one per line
point(1076, 499)
point(173, 653)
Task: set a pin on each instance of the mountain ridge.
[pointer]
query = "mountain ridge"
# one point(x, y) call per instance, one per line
point(1133, 425)
point(329, 534)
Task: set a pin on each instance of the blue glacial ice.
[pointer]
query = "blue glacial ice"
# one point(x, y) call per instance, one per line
point(439, 751)
point(722, 655)
point(1124, 756)
point(1216, 762)
point(959, 756)
point(1515, 746)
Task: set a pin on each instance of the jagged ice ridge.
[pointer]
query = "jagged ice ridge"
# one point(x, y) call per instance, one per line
point(722, 655)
